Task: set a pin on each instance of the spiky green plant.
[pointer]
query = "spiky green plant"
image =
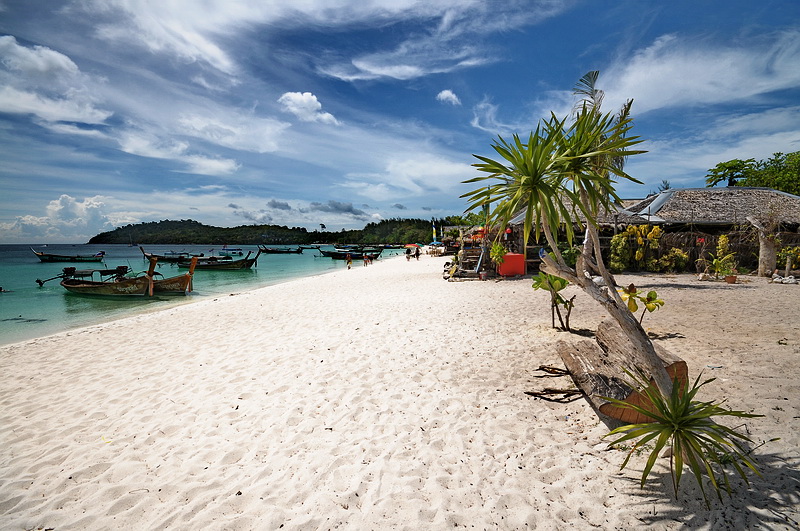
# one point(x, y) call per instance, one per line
point(686, 425)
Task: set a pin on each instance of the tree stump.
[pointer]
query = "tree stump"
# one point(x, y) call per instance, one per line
point(597, 369)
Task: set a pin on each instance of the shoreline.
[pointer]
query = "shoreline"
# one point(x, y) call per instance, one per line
point(163, 303)
point(379, 397)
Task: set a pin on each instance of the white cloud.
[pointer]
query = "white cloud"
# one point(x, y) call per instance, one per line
point(45, 83)
point(484, 117)
point(235, 131)
point(409, 176)
point(66, 109)
point(448, 96)
point(146, 145)
point(306, 107)
point(66, 219)
point(676, 72)
point(210, 166)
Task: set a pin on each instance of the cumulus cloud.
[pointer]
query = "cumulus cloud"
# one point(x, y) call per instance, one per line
point(306, 107)
point(448, 96)
point(66, 219)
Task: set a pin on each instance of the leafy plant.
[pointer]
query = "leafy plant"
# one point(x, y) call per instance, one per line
point(554, 284)
point(497, 253)
point(674, 260)
point(687, 426)
point(650, 300)
point(790, 256)
point(620, 253)
point(721, 264)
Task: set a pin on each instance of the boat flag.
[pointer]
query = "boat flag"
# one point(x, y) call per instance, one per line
point(434, 229)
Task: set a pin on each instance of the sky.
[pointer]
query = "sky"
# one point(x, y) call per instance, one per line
point(346, 112)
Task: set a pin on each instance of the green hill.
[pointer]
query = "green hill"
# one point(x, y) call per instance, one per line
point(192, 232)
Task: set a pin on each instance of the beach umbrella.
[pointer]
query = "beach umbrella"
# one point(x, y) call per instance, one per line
point(412, 245)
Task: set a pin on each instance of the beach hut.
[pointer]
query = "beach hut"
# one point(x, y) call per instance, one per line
point(687, 213)
point(713, 208)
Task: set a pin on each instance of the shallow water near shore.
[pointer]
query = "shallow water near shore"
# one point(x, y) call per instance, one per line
point(28, 311)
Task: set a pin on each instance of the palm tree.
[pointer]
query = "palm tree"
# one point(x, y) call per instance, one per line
point(563, 169)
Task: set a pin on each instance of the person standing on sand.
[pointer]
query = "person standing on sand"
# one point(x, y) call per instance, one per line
point(349, 260)
point(416, 253)
point(408, 254)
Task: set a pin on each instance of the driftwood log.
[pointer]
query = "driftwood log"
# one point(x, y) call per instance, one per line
point(597, 369)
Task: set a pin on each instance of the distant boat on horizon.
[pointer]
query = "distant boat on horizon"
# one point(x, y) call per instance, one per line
point(47, 257)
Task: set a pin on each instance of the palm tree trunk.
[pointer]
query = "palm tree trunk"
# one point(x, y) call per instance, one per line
point(643, 348)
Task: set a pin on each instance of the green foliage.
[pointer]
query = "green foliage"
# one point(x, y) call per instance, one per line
point(781, 172)
point(569, 253)
point(192, 232)
point(650, 300)
point(789, 253)
point(636, 248)
point(732, 172)
point(687, 427)
point(497, 253)
point(674, 260)
point(554, 284)
point(546, 175)
point(620, 253)
point(722, 263)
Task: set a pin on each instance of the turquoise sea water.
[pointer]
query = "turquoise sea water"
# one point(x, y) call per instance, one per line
point(28, 311)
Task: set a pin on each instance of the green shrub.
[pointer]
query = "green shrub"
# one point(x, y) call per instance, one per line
point(620, 253)
point(674, 261)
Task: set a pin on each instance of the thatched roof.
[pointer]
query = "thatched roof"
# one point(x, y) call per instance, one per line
point(718, 206)
point(703, 206)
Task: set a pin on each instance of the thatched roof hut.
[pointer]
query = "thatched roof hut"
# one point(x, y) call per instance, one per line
point(716, 206)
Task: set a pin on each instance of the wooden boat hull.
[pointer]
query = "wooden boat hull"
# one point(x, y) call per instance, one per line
point(354, 255)
point(272, 250)
point(130, 287)
point(46, 257)
point(223, 265)
point(167, 258)
point(178, 285)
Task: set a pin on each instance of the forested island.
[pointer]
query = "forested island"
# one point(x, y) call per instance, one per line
point(390, 231)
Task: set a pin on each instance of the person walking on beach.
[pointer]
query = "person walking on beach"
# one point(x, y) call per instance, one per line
point(366, 259)
point(416, 253)
point(349, 261)
point(408, 254)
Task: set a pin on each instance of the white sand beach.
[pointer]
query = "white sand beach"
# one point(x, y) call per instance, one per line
point(382, 397)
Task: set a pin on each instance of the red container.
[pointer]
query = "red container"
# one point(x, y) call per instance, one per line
point(513, 264)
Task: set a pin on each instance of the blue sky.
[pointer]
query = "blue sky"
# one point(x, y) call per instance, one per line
point(297, 113)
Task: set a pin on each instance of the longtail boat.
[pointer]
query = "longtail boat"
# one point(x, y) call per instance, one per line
point(47, 257)
point(119, 286)
point(114, 282)
point(279, 250)
point(177, 285)
point(354, 254)
point(171, 257)
point(224, 263)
